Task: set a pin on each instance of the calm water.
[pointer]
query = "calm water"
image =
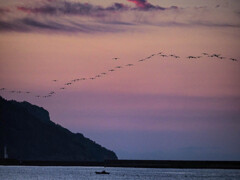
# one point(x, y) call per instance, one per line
point(88, 173)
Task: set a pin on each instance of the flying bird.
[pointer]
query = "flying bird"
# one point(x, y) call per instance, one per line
point(191, 57)
point(233, 59)
point(51, 93)
point(163, 55)
point(214, 55)
point(118, 67)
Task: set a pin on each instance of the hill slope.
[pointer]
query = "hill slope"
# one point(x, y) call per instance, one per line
point(29, 134)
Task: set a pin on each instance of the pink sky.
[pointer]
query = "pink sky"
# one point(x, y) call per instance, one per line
point(163, 108)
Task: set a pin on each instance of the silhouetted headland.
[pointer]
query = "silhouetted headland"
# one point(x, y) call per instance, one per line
point(28, 134)
point(28, 137)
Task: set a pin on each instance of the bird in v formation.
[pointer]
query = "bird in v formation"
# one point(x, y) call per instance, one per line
point(51, 93)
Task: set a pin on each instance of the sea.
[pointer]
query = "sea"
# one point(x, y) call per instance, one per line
point(88, 173)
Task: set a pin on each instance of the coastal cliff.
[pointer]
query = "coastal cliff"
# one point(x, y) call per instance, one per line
point(29, 134)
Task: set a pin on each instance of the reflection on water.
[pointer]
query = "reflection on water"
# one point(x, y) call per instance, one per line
point(88, 173)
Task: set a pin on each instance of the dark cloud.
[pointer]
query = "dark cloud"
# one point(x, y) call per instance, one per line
point(117, 6)
point(72, 8)
point(36, 25)
point(64, 8)
point(44, 9)
point(40, 25)
point(69, 16)
point(12, 26)
point(107, 19)
point(144, 5)
point(86, 9)
point(4, 10)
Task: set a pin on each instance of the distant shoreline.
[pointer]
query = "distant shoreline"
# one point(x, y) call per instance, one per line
point(131, 163)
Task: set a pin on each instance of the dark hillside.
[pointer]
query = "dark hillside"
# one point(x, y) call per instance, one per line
point(29, 134)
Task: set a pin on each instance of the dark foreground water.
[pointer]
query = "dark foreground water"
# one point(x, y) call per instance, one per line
point(88, 173)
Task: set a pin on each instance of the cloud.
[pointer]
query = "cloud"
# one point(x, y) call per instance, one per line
point(4, 10)
point(72, 8)
point(43, 9)
point(77, 8)
point(52, 25)
point(12, 26)
point(72, 16)
point(142, 4)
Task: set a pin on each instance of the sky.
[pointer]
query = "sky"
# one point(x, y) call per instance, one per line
point(161, 108)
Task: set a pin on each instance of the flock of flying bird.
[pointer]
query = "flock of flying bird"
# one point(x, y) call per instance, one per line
point(51, 93)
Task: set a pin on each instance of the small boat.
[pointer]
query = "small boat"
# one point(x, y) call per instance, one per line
point(102, 172)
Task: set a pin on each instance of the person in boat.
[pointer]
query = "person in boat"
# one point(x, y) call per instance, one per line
point(102, 172)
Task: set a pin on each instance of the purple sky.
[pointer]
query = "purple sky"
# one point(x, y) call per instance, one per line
point(160, 108)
